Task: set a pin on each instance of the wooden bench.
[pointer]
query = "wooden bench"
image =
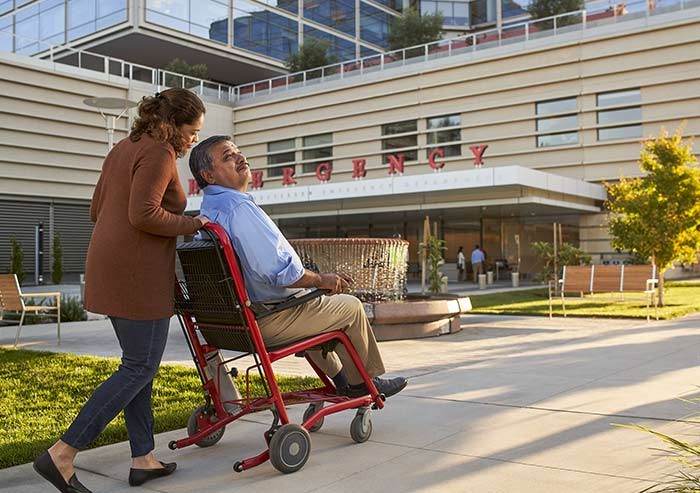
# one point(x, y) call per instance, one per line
point(596, 279)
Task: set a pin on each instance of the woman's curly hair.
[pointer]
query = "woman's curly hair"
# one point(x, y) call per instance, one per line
point(162, 115)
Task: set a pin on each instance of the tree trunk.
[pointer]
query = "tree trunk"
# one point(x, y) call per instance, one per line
point(661, 287)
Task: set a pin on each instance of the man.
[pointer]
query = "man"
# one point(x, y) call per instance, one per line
point(273, 271)
point(478, 258)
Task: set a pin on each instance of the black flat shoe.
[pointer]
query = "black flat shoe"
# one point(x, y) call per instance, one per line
point(47, 469)
point(139, 476)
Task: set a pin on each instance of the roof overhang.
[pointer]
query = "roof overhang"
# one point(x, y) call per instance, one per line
point(502, 186)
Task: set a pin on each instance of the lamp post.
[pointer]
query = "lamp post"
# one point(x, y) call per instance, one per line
point(103, 104)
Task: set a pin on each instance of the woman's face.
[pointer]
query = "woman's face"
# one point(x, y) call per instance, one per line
point(189, 133)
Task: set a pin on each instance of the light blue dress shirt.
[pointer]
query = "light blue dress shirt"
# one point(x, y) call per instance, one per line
point(268, 261)
point(477, 256)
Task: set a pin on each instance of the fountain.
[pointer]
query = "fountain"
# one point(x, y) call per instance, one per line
point(378, 267)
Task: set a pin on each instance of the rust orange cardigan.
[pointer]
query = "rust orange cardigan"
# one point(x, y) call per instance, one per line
point(137, 209)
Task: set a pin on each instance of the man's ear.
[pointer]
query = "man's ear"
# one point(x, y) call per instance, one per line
point(208, 176)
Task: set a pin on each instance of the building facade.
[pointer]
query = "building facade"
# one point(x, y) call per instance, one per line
point(495, 139)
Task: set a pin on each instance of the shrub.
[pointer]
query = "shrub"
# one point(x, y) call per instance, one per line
point(57, 266)
point(437, 280)
point(17, 260)
point(567, 254)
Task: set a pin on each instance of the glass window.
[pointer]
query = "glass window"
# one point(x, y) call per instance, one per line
point(338, 14)
point(88, 16)
point(341, 48)
point(263, 31)
point(455, 13)
point(6, 39)
point(27, 30)
point(482, 11)
point(567, 138)
point(620, 116)
point(374, 25)
point(204, 18)
point(444, 136)
point(444, 121)
point(626, 132)
point(556, 106)
point(52, 22)
point(277, 155)
point(515, 8)
point(400, 127)
point(5, 6)
point(396, 5)
point(619, 97)
point(364, 52)
point(557, 123)
point(320, 154)
point(288, 5)
point(401, 142)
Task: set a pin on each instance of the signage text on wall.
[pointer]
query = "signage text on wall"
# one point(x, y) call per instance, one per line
point(324, 170)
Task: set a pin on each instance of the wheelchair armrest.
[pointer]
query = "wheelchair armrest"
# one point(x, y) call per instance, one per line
point(263, 310)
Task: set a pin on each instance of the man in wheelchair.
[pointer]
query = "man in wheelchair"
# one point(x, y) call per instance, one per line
point(273, 272)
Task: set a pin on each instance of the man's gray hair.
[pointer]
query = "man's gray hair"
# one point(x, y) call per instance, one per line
point(200, 157)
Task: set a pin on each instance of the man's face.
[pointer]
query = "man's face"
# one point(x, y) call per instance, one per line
point(229, 167)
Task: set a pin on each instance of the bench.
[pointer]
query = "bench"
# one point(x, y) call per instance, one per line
point(597, 279)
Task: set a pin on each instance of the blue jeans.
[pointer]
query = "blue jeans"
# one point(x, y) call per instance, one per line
point(129, 388)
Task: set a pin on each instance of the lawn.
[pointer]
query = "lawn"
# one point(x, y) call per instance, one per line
point(41, 393)
point(680, 299)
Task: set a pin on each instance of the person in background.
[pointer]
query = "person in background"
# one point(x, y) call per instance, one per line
point(461, 264)
point(478, 258)
point(137, 208)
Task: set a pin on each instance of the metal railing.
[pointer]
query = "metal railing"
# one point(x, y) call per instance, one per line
point(597, 13)
point(117, 67)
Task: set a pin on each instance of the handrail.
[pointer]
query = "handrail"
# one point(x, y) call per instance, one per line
point(518, 32)
point(118, 67)
point(522, 31)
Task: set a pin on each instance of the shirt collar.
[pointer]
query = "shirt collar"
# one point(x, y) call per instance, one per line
point(218, 190)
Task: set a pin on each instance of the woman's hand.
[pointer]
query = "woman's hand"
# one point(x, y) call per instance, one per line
point(203, 219)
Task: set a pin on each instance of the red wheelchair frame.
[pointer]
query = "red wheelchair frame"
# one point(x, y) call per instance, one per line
point(215, 313)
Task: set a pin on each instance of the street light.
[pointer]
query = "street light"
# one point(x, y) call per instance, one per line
point(110, 120)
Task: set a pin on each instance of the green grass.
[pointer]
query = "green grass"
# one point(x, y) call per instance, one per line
point(679, 298)
point(41, 393)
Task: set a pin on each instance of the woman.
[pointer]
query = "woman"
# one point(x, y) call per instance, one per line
point(137, 208)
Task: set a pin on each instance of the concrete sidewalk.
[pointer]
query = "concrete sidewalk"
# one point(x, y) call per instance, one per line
point(510, 404)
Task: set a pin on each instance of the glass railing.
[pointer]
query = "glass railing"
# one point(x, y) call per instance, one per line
point(111, 66)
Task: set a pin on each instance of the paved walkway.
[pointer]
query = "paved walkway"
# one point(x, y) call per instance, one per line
point(510, 404)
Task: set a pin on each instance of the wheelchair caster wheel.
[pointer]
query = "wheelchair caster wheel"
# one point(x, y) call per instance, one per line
point(172, 445)
point(193, 427)
point(238, 466)
point(313, 408)
point(361, 425)
point(290, 448)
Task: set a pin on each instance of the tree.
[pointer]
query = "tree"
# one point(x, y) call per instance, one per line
point(57, 266)
point(657, 216)
point(412, 28)
point(311, 54)
point(539, 9)
point(17, 260)
point(179, 66)
point(567, 254)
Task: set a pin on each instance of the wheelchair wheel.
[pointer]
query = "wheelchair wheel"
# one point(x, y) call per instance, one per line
point(290, 448)
point(313, 408)
point(193, 426)
point(361, 425)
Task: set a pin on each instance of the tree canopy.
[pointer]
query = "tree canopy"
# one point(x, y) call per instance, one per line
point(539, 9)
point(180, 66)
point(657, 216)
point(412, 28)
point(311, 54)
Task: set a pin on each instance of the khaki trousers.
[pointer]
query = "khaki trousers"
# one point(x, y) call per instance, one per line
point(478, 269)
point(325, 314)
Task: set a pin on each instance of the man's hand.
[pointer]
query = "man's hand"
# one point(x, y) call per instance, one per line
point(335, 283)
